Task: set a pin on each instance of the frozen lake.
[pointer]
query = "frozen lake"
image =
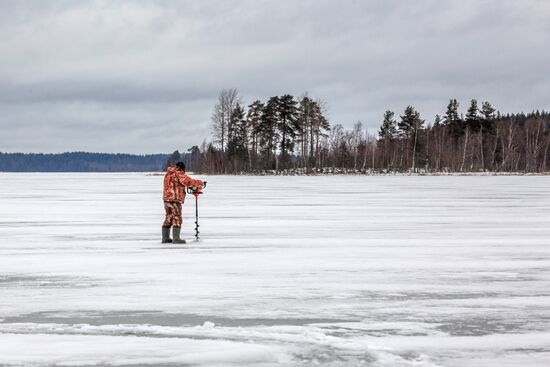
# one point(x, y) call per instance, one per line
point(293, 271)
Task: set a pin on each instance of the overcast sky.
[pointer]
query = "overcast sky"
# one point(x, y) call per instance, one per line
point(143, 76)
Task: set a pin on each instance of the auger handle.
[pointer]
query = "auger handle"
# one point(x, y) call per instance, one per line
point(196, 190)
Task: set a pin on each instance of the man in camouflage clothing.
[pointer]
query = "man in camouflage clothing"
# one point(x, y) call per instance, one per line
point(175, 182)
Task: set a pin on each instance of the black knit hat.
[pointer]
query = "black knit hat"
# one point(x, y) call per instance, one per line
point(181, 165)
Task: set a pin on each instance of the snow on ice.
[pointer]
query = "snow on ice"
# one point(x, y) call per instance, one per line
point(294, 271)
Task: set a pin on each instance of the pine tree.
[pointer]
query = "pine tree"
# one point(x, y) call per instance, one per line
point(488, 116)
point(410, 125)
point(410, 122)
point(388, 129)
point(267, 131)
point(453, 121)
point(388, 133)
point(288, 128)
point(253, 118)
point(236, 146)
point(472, 116)
point(486, 122)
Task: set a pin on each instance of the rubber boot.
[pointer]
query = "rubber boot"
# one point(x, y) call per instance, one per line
point(166, 235)
point(176, 235)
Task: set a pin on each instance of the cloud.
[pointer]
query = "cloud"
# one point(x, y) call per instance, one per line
point(143, 76)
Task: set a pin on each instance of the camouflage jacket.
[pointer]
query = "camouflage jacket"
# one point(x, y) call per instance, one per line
point(175, 181)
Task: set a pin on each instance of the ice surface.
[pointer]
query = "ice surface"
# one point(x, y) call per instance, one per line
point(294, 271)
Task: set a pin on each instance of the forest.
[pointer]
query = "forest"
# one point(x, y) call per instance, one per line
point(289, 135)
point(81, 162)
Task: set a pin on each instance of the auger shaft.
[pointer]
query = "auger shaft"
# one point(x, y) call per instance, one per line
point(197, 217)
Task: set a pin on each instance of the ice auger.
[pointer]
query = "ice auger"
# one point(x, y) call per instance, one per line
point(196, 191)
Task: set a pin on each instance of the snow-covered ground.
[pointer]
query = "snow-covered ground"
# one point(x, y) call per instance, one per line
point(293, 271)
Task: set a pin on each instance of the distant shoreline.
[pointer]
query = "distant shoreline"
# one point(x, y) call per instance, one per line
point(81, 162)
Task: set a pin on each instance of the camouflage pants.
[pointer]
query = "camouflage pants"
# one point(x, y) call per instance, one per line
point(173, 214)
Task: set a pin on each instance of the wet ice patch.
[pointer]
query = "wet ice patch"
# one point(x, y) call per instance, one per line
point(156, 318)
point(27, 281)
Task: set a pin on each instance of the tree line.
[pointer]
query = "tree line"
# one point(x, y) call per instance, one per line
point(285, 134)
point(81, 162)
point(482, 139)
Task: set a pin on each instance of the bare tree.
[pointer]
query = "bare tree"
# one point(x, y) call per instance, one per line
point(534, 143)
point(356, 140)
point(466, 134)
point(336, 140)
point(221, 117)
